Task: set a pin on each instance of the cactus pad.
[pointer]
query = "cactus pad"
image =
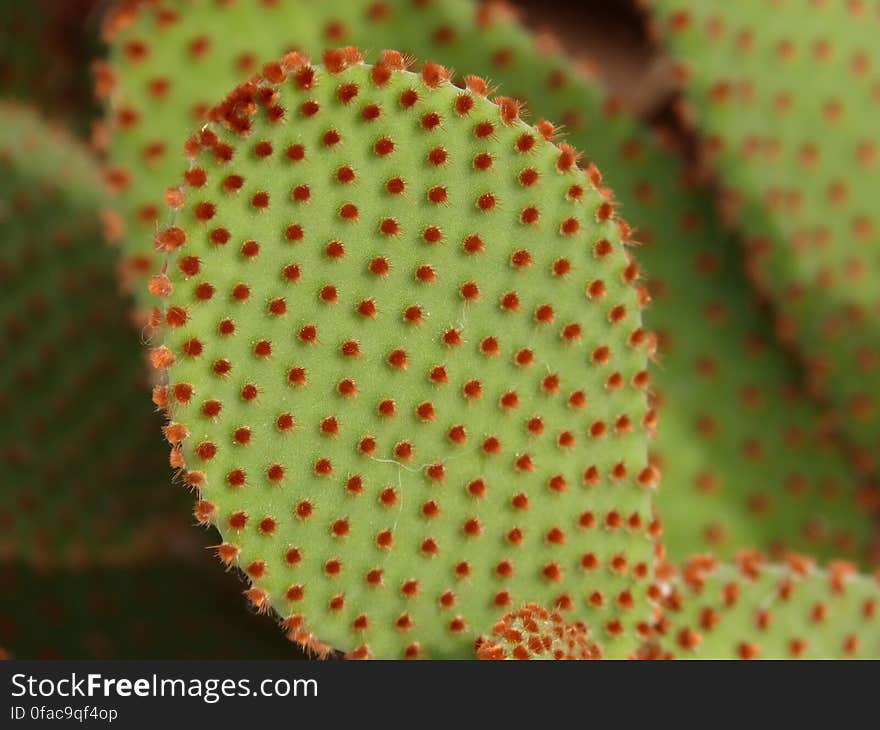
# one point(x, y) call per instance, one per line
point(81, 469)
point(533, 632)
point(765, 475)
point(747, 458)
point(169, 59)
point(405, 363)
point(786, 96)
point(753, 610)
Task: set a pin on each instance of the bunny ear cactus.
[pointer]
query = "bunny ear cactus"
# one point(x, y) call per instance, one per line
point(533, 632)
point(405, 363)
point(168, 63)
point(168, 58)
point(753, 610)
point(797, 148)
point(161, 611)
point(746, 456)
point(81, 469)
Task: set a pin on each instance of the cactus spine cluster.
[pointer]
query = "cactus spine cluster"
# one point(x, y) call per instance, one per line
point(534, 633)
point(753, 610)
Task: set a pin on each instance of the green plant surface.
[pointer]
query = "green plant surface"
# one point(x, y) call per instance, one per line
point(786, 97)
point(82, 472)
point(405, 362)
point(752, 610)
point(746, 459)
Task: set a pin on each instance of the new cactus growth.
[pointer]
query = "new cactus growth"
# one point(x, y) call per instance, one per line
point(753, 610)
point(748, 460)
point(786, 97)
point(81, 469)
point(405, 362)
point(533, 632)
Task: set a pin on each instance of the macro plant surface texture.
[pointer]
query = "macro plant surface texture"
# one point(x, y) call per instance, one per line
point(389, 278)
point(796, 150)
point(749, 459)
point(437, 386)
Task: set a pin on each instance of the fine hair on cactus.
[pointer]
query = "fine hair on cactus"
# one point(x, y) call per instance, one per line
point(404, 360)
point(766, 471)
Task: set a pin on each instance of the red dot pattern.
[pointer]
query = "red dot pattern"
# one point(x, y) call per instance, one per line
point(755, 610)
point(798, 176)
point(332, 362)
point(79, 460)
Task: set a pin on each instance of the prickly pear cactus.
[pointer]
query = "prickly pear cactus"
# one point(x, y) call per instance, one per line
point(533, 632)
point(81, 469)
point(786, 96)
point(747, 459)
point(753, 610)
point(169, 610)
point(405, 365)
point(169, 58)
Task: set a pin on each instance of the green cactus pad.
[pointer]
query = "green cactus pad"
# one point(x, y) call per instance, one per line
point(169, 59)
point(82, 473)
point(161, 611)
point(786, 97)
point(405, 362)
point(753, 610)
point(794, 492)
point(747, 459)
point(533, 632)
